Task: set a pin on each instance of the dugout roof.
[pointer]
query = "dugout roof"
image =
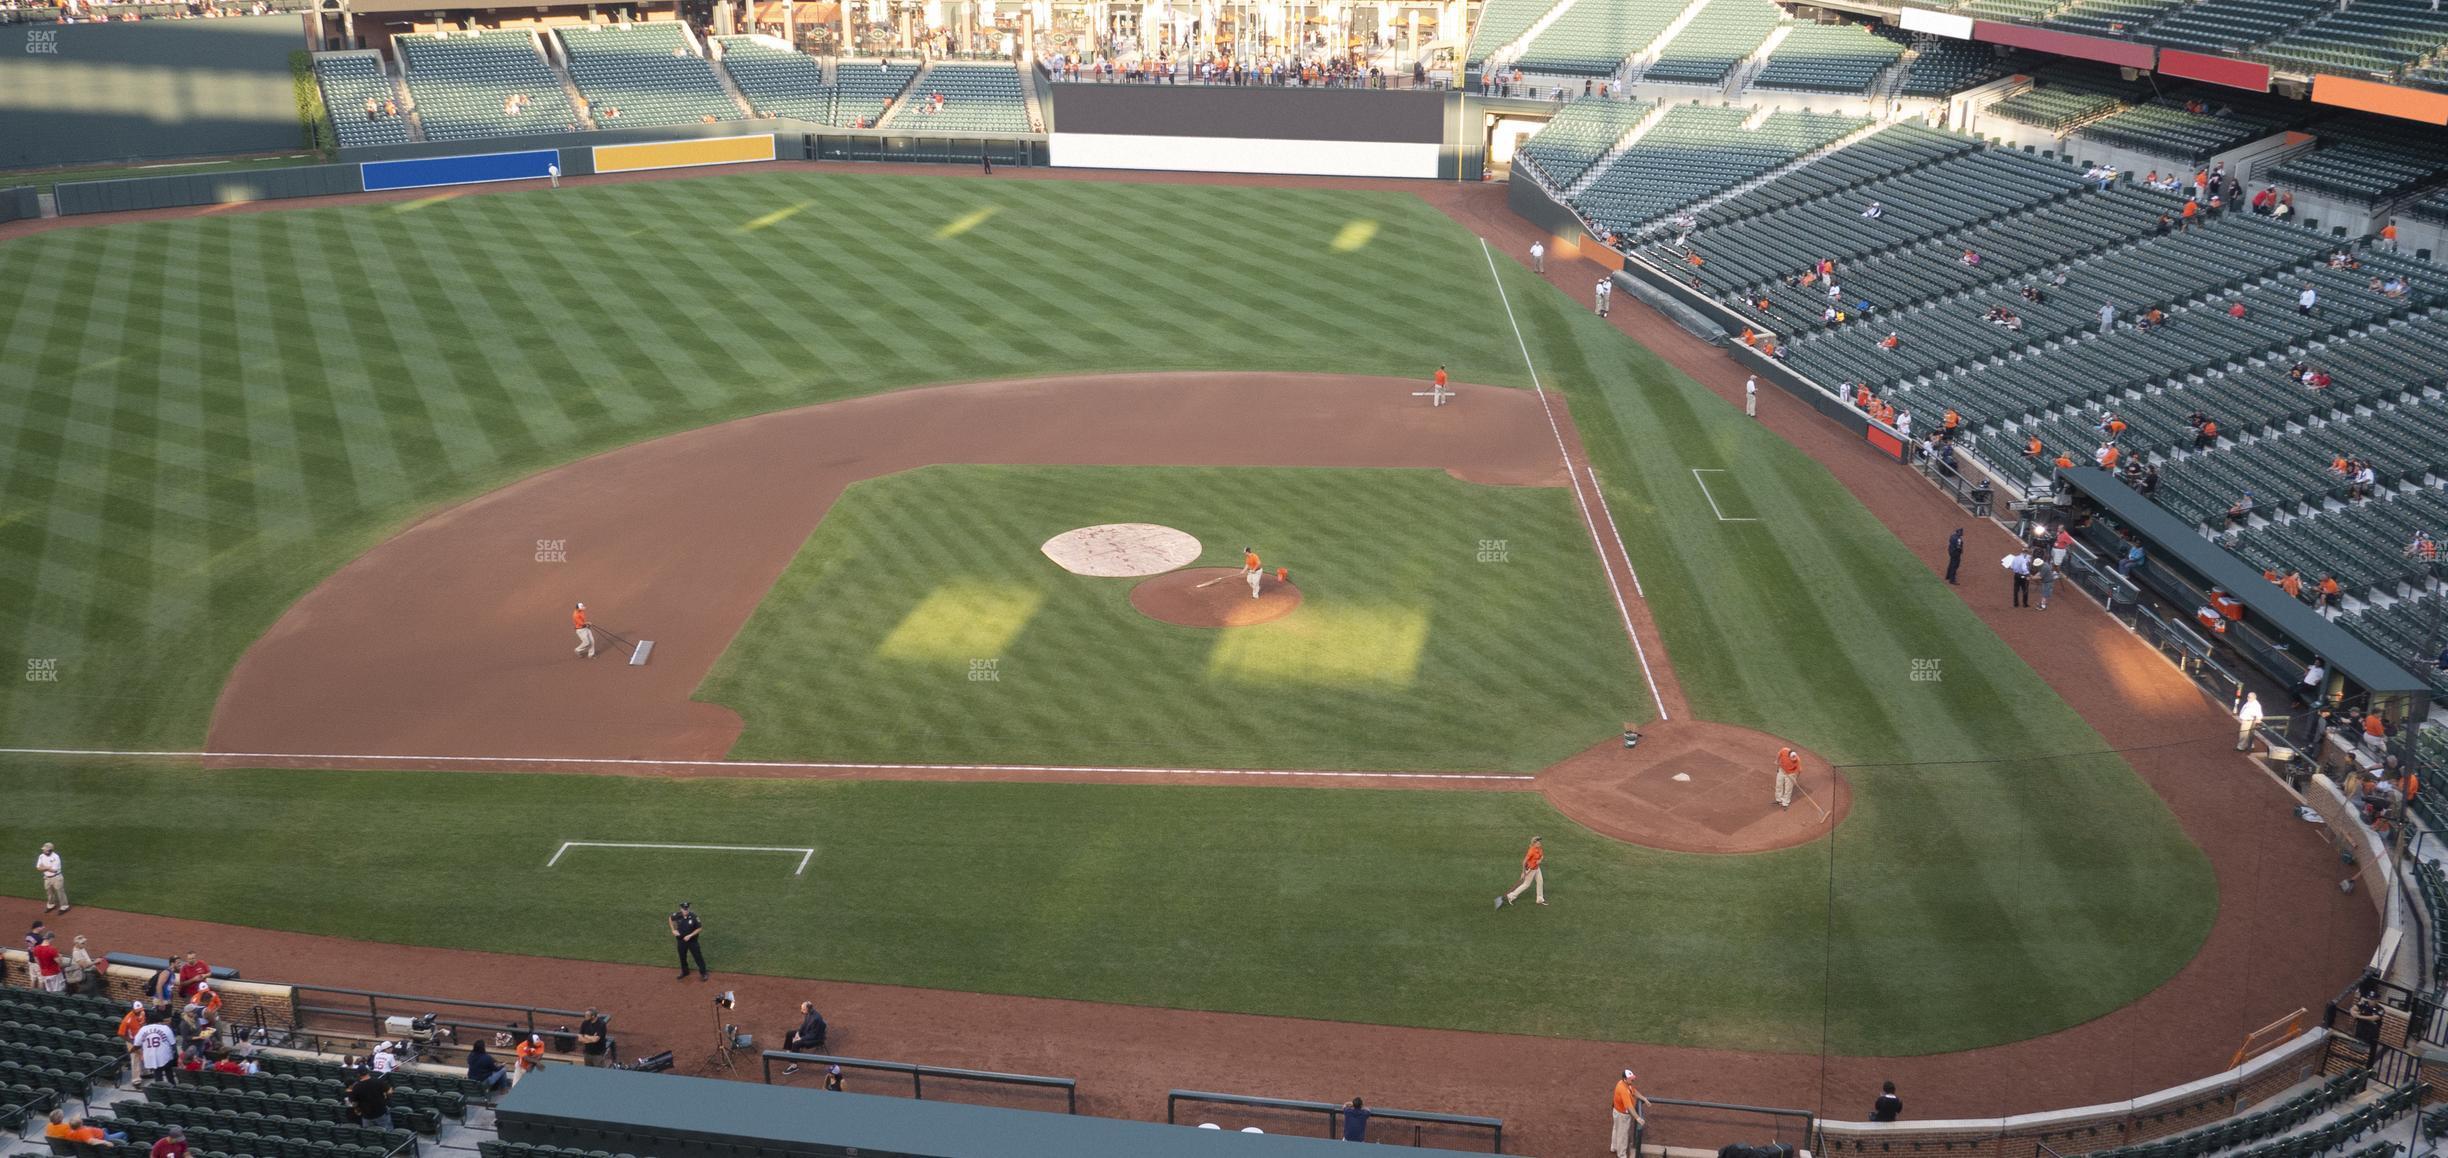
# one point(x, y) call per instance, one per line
point(665, 1114)
point(2178, 543)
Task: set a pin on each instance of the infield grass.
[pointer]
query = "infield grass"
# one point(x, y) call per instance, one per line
point(921, 623)
point(207, 417)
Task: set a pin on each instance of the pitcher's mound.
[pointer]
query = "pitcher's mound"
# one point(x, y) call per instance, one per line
point(1697, 786)
point(1191, 600)
point(1120, 550)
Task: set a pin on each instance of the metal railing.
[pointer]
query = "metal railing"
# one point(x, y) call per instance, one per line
point(919, 1073)
point(1334, 1113)
point(1802, 1124)
point(373, 1010)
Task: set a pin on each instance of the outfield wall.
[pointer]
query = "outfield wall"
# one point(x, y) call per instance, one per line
point(1233, 129)
point(86, 93)
point(20, 203)
point(134, 193)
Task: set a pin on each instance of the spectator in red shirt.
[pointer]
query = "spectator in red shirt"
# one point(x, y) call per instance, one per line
point(172, 1144)
point(46, 958)
point(192, 973)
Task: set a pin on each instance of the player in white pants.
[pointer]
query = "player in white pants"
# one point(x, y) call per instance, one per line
point(1251, 569)
point(1788, 774)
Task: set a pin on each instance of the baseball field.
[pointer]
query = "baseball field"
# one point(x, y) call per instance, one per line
point(299, 477)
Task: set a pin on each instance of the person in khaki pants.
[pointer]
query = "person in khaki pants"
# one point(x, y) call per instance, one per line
point(1631, 1109)
point(55, 883)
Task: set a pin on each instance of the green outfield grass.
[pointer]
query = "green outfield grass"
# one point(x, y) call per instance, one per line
point(1408, 650)
point(207, 417)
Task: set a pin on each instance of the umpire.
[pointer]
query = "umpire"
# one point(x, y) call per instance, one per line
point(684, 929)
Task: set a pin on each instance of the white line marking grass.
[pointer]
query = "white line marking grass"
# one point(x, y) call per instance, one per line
point(788, 765)
point(1722, 517)
point(1621, 608)
point(807, 854)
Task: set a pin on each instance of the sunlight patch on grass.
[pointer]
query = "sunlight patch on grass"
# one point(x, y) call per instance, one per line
point(966, 222)
point(1355, 234)
point(422, 203)
point(776, 217)
point(961, 621)
point(1367, 645)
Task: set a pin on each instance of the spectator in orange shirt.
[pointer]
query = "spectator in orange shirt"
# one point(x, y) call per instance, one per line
point(2328, 593)
point(2375, 733)
point(1630, 1109)
point(1532, 876)
point(63, 1128)
point(530, 1055)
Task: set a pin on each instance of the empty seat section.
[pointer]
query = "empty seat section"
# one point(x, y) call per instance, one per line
point(349, 80)
point(1720, 36)
point(977, 98)
point(644, 74)
point(1693, 152)
point(1501, 23)
point(2369, 37)
point(1828, 58)
point(1941, 66)
point(1593, 37)
point(777, 80)
point(1567, 146)
point(484, 84)
point(863, 88)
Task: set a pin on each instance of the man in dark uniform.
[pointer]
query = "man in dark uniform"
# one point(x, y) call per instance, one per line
point(1954, 553)
point(685, 927)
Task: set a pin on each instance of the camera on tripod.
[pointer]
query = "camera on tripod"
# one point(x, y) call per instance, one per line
point(419, 1028)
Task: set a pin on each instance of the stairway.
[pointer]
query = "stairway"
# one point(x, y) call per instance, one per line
point(722, 76)
point(407, 103)
point(1638, 64)
point(559, 65)
point(1740, 77)
point(1504, 56)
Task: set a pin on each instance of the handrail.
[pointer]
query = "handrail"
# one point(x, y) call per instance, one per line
point(1810, 1118)
point(919, 1073)
point(1334, 1112)
point(372, 1010)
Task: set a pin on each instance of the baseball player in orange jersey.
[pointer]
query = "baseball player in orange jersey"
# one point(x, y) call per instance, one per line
point(586, 635)
point(1788, 774)
point(1532, 876)
point(1251, 569)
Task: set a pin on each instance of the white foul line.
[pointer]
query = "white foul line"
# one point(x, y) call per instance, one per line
point(810, 765)
point(1621, 608)
point(570, 844)
point(1620, 549)
point(1721, 515)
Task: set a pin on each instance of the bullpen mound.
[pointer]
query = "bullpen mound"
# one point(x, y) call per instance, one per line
point(1190, 599)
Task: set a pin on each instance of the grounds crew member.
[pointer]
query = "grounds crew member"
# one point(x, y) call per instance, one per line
point(55, 884)
point(1788, 773)
point(1630, 1110)
point(1251, 569)
point(1532, 876)
point(586, 635)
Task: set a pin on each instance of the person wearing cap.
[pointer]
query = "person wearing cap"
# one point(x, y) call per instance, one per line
point(369, 1100)
point(172, 1144)
point(586, 635)
point(1532, 875)
point(684, 929)
point(530, 1055)
point(833, 1078)
point(1631, 1110)
point(131, 1021)
point(55, 885)
point(84, 973)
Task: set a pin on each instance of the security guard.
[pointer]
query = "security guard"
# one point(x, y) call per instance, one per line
point(685, 927)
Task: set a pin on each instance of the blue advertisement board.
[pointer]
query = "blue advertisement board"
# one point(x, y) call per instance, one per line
point(427, 172)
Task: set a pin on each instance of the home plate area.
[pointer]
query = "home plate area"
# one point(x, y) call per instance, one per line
point(1695, 786)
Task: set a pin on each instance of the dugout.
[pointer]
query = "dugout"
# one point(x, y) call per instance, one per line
point(2277, 635)
point(618, 1111)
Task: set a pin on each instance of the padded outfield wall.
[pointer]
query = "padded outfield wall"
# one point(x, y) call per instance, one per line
point(87, 93)
point(1230, 129)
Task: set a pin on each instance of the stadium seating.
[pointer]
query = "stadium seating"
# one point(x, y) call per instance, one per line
point(1501, 22)
point(2064, 97)
point(2367, 36)
point(1693, 152)
point(2025, 11)
point(2219, 26)
point(463, 82)
point(978, 97)
point(1594, 39)
point(2162, 128)
point(1721, 34)
point(1582, 132)
point(1828, 58)
point(1941, 66)
point(2364, 162)
point(644, 74)
point(1892, 150)
point(349, 80)
point(1924, 205)
point(862, 89)
point(778, 81)
point(2360, 543)
point(2110, 17)
point(2259, 1125)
